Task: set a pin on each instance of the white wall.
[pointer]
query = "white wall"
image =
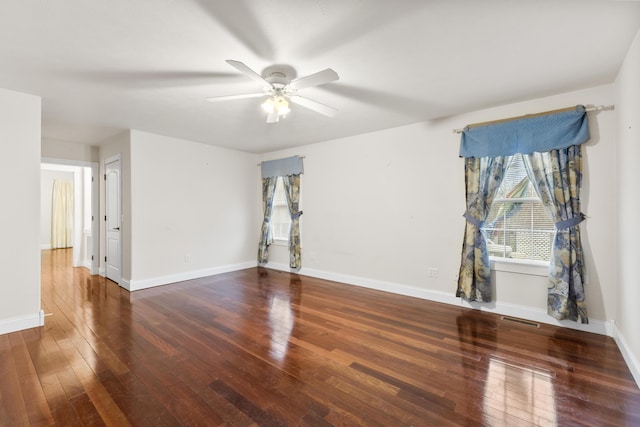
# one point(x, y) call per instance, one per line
point(628, 105)
point(381, 208)
point(20, 181)
point(47, 178)
point(193, 209)
point(55, 149)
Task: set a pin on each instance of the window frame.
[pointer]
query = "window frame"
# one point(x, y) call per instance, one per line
point(279, 241)
point(518, 265)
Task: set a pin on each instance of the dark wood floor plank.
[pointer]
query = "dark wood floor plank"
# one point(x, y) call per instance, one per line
point(13, 408)
point(259, 347)
point(31, 389)
point(96, 399)
point(198, 374)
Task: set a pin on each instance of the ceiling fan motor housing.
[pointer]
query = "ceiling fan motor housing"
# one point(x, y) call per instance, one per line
point(277, 79)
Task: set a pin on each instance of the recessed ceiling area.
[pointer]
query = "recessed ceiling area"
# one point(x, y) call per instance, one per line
point(104, 67)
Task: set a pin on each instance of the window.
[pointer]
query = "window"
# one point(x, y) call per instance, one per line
point(518, 225)
point(280, 217)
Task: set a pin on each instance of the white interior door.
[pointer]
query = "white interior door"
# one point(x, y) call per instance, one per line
point(113, 216)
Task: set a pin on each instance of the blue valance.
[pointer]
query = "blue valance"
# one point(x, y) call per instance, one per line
point(282, 167)
point(539, 133)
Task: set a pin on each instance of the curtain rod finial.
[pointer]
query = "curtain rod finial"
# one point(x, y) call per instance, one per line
point(600, 107)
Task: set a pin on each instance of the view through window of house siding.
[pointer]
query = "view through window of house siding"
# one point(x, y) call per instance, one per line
point(518, 225)
point(280, 217)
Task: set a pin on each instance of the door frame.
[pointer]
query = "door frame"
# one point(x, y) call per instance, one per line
point(95, 205)
point(106, 161)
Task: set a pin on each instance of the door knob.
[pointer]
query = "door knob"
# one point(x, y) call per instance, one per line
point(116, 228)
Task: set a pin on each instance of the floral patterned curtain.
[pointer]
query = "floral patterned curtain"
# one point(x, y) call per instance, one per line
point(292, 190)
point(557, 177)
point(268, 191)
point(482, 179)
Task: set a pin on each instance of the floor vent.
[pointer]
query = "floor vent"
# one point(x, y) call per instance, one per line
point(521, 321)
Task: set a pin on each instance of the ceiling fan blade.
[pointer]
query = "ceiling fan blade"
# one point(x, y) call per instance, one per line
point(273, 117)
point(317, 79)
point(155, 78)
point(232, 97)
point(413, 107)
point(242, 22)
point(314, 105)
point(247, 71)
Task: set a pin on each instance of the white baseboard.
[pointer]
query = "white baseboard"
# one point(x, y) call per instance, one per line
point(45, 246)
point(138, 284)
point(627, 354)
point(20, 323)
point(125, 283)
point(506, 309)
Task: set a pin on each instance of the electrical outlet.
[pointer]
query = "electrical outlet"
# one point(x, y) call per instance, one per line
point(187, 258)
point(433, 272)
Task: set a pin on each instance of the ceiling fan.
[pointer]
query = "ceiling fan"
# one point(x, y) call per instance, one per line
point(280, 88)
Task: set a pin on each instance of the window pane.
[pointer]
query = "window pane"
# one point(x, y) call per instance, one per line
point(280, 217)
point(280, 222)
point(518, 225)
point(279, 196)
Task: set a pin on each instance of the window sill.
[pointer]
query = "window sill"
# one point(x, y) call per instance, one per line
point(280, 242)
point(529, 267)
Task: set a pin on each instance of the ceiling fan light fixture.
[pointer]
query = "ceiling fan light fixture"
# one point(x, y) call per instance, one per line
point(269, 105)
point(277, 104)
point(282, 106)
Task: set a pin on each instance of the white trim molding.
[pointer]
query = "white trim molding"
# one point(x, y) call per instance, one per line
point(627, 354)
point(20, 323)
point(137, 284)
point(125, 283)
point(528, 267)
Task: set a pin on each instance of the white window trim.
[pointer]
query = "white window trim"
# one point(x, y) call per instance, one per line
point(520, 266)
point(280, 242)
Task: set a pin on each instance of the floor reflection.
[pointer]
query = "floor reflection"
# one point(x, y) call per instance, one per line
point(513, 393)
point(282, 304)
point(281, 321)
point(517, 392)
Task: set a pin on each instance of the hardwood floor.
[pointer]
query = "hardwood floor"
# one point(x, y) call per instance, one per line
point(261, 347)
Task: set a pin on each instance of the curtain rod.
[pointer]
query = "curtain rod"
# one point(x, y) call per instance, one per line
point(260, 164)
point(526, 116)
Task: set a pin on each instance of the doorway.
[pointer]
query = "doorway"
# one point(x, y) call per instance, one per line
point(82, 212)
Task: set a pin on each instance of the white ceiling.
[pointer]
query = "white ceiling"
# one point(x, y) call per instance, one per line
point(105, 66)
